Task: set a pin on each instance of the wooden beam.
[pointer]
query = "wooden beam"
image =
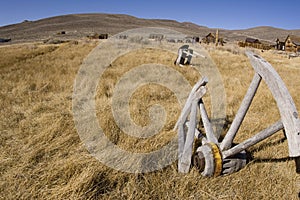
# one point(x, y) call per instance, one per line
point(185, 142)
point(253, 140)
point(187, 107)
point(182, 123)
point(185, 160)
point(207, 125)
point(241, 113)
point(181, 140)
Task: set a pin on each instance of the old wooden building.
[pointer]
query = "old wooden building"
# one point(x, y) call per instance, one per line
point(211, 38)
point(196, 39)
point(292, 43)
point(280, 44)
point(156, 37)
point(98, 36)
point(252, 41)
point(255, 43)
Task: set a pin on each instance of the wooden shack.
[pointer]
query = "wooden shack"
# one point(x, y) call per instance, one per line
point(280, 44)
point(61, 33)
point(292, 43)
point(98, 36)
point(156, 37)
point(103, 36)
point(252, 41)
point(123, 37)
point(255, 43)
point(196, 39)
point(189, 39)
point(209, 38)
point(3, 40)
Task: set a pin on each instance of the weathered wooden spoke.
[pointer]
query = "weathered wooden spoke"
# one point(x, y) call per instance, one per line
point(213, 158)
point(185, 141)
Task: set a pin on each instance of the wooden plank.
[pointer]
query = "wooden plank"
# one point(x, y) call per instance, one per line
point(207, 125)
point(187, 107)
point(179, 56)
point(181, 140)
point(253, 140)
point(297, 162)
point(185, 142)
point(181, 134)
point(185, 154)
point(185, 160)
point(285, 103)
point(197, 132)
point(241, 113)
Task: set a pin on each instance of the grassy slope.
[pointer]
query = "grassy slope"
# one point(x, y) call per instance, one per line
point(42, 156)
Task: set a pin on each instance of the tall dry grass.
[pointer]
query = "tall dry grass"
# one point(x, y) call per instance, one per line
point(42, 156)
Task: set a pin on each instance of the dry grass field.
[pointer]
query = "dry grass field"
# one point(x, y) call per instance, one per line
point(42, 156)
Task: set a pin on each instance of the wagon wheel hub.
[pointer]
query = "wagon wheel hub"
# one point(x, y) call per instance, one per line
point(208, 160)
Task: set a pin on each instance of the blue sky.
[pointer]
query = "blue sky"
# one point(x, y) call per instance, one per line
point(230, 14)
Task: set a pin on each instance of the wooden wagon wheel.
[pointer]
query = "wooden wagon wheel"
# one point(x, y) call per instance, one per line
point(214, 158)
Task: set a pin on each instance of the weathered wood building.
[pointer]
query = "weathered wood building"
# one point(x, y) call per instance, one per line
point(211, 38)
point(2, 40)
point(255, 43)
point(156, 37)
point(280, 44)
point(196, 39)
point(292, 43)
point(252, 41)
point(98, 36)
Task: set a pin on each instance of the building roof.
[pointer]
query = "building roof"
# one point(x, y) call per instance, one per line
point(295, 39)
point(252, 40)
point(210, 35)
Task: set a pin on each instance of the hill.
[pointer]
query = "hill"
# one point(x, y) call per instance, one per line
point(80, 25)
point(267, 33)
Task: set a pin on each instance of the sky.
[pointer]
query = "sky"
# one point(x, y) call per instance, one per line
point(227, 14)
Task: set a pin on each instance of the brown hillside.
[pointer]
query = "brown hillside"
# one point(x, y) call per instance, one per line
point(81, 25)
point(267, 33)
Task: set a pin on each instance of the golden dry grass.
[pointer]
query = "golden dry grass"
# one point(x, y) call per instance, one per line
point(42, 156)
